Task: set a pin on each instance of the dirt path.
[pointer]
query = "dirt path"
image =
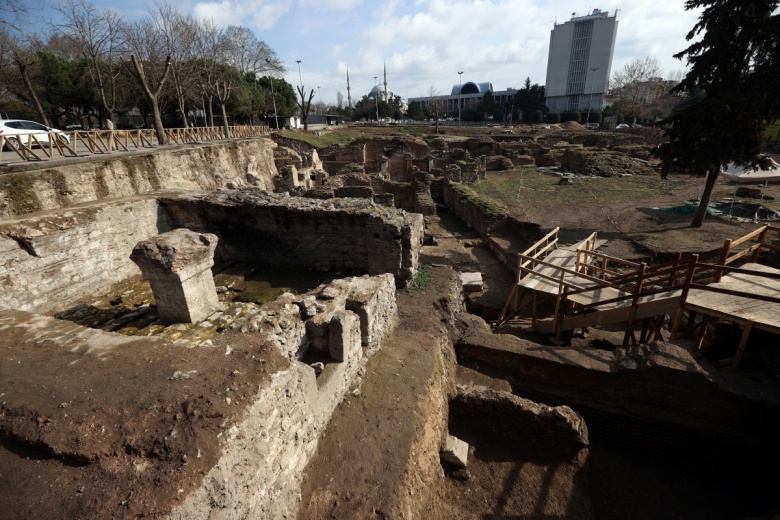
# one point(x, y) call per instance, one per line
point(362, 461)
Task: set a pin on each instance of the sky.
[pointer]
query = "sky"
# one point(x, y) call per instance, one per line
point(425, 43)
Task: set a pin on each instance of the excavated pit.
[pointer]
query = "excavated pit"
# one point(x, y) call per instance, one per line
point(230, 419)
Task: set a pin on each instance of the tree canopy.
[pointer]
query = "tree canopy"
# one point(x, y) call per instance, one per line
point(736, 65)
point(92, 65)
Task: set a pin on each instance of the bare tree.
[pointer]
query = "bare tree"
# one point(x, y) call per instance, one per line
point(149, 65)
point(12, 12)
point(637, 84)
point(217, 80)
point(304, 104)
point(180, 33)
point(97, 38)
point(339, 101)
point(435, 106)
point(22, 50)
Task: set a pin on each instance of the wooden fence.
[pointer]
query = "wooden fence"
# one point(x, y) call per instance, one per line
point(82, 143)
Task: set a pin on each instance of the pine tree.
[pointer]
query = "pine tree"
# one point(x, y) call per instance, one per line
point(736, 65)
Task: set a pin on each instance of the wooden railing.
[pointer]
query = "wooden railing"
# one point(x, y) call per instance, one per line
point(82, 143)
point(540, 249)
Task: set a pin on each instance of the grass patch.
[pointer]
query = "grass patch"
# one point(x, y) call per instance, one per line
point(344, 135)
point(489, 205)
point(520, 187)
point(422, 279)
point(328, 138)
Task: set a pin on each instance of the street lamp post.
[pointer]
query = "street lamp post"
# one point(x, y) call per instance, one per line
point(460, 87)
point(273, 95)
point(376, 98)
point(319, 95)
point(300, 82)
point(590, 101)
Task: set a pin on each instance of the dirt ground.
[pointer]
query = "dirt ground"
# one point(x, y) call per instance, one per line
point(361, 457)
point(85, 431)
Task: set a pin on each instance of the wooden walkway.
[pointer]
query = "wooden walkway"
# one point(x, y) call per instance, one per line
point(748, 296)
point(590, 288)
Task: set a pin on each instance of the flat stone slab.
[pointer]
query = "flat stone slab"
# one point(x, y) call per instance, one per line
point(455, 452)
point(472, 282)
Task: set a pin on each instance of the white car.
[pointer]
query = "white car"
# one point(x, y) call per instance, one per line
point(19, 131)
point(621, 126)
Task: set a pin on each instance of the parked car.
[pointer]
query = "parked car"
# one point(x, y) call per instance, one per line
point(19, 131)
point(591, 126)
point(621, 126)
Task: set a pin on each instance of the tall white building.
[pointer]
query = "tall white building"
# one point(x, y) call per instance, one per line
point(580, 62)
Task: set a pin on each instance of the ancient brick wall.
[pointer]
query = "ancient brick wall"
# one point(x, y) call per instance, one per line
point(469, 211)
point(202, 167)
point(47, 261)
point(276, 230)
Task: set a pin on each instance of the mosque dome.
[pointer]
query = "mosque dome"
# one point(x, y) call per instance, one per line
point(378, 89)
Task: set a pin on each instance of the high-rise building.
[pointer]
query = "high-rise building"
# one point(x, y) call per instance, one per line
point(580, 61)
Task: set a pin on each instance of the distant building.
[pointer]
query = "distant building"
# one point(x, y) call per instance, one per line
point(470, 95)
point(580, 61)
point(380, 91)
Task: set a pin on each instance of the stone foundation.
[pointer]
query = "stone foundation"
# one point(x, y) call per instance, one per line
point(237, 450)
point(51, 260)
point(241, 163)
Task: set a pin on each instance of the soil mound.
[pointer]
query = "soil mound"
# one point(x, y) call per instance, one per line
point(571, 125)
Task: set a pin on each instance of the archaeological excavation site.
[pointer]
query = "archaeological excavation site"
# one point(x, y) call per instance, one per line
point(463, 325)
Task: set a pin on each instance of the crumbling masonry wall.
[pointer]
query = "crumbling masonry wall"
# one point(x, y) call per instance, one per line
point(245, 163)
point(49, 260)
point(277, 230)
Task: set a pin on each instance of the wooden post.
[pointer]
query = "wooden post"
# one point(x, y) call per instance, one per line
point(742, 344)
point(558, 305)
point(634, 303)
point(723, 258)
point(760, 242)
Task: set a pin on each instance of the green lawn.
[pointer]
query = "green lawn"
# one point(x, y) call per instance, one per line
point(514, 188)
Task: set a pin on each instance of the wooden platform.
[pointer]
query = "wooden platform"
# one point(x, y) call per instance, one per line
point(741, 309)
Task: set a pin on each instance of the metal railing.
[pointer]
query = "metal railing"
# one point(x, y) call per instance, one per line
point(83, 143)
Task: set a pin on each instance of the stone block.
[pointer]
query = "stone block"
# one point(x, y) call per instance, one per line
point(344, 336)
point(455, 452)
point(373, 300)
point(178, 266)
point(472, 282)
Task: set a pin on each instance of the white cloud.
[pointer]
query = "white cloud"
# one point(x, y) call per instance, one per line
point(256, 15)
point(331, 5)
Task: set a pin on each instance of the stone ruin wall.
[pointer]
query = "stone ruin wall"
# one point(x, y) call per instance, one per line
point(198, 167)
point(47, 261)
point(278, 230)
point(265, 445)
point(50, 260)
point(468, 211)
point(278, 433)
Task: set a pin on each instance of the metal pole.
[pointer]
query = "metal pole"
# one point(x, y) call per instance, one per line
point(376, 98)
point(590, 101)
point(273, 96)
point(300, 82)
point(460, 87)
point(319, 95)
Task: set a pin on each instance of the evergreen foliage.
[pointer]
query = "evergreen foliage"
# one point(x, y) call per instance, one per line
point(735, 61)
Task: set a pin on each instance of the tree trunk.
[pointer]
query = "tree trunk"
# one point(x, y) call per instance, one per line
point(182, 109)
point(210, 107)
point(709, 186)
point(158, 125)
point(225, 126)
point(25, 76)
point(151, 97)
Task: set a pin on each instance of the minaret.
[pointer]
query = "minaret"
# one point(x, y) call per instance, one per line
point(349, 92)
point(386, 101)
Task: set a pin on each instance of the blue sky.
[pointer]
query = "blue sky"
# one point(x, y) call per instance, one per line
point(426, 42)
